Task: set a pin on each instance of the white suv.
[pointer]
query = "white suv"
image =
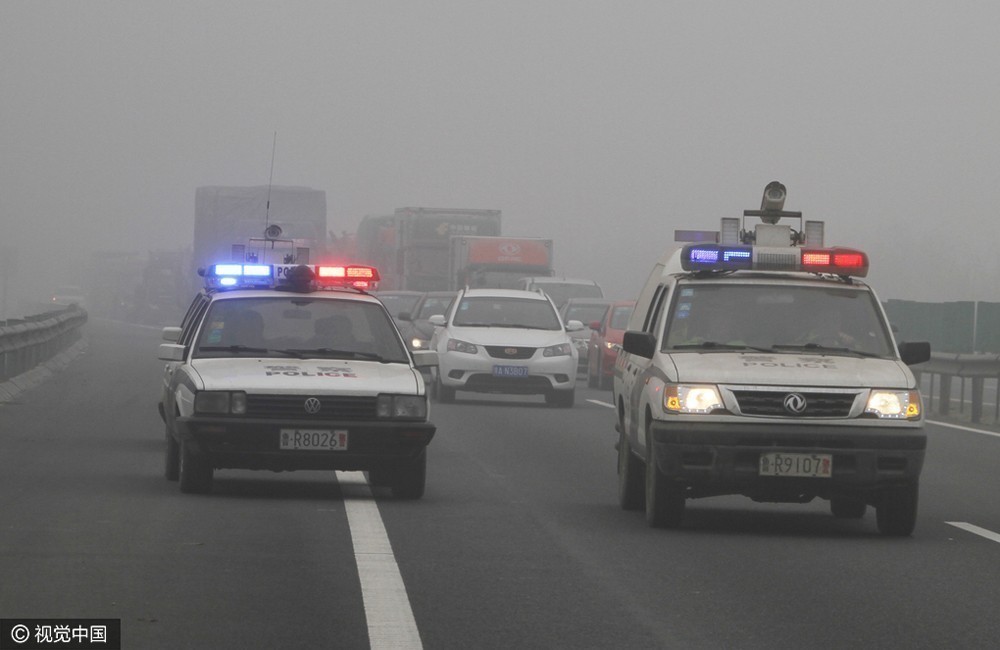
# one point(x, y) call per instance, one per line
point(505, 341)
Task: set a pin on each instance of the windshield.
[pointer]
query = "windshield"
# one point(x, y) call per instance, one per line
point(526, 313)
point(560, 293)
point(586, 314)
point(619, 318)
point(776, 317)
point(434, 305)
point(398, 303)
point(300, 327)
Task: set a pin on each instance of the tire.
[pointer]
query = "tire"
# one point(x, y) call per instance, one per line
point(664, 500)
point(848, 508)
point(195, 471)
point(631, 482)
point(445, 394)
point(561, 398)
point(896, 510)
point(172, 467)
point(410, 478)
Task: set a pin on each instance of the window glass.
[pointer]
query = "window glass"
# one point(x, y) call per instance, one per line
point(482, 311)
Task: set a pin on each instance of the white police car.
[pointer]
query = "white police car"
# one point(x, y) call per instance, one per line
point(285, 367)
point(757, 363)
point(505, 341)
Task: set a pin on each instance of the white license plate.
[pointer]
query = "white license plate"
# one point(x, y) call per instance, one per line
point(776, 463)
point(313, 439)
point(510, 371)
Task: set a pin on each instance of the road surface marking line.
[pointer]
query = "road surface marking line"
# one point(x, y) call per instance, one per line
point(387, 607)
point(958, 426)
point(976, 530)
point(600, 403)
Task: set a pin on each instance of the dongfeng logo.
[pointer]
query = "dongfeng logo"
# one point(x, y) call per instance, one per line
point(795, 403)
point(510, 248)
point(312, 406)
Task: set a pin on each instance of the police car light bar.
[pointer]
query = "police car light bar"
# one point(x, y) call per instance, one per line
point(267, 276)
point(716, 257)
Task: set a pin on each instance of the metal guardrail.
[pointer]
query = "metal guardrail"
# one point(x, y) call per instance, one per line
point(28, 342)
point(945, 367)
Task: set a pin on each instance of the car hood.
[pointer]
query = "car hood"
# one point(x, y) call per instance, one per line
point(300, 376)
point(790, 370)
point(509, 336)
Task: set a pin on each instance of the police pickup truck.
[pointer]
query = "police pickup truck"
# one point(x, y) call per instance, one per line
point(293, 367)
point(757, 363)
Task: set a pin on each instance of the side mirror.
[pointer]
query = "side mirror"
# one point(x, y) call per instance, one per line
point(425, 358)
point(640, 344)
point(574, 326)
point(914, 353)
point(404, 315)
point(437, 320)
point(171, 334)
point(171, 352)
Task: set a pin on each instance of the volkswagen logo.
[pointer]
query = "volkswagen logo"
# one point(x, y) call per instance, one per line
point(312, 406)
point(795, 403)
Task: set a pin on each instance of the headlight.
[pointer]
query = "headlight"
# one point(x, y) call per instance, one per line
point(897, 405)
point(691, 399)
point(561, 350)
point(220, 402)
point(609, 345)
point(418, 344)
point(406, 407)
point(454, 345)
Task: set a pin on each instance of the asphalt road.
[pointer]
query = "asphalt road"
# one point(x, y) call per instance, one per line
point(518, 542)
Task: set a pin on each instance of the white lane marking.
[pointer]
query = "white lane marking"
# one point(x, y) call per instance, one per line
point(600, 403)
point(975, 530)
point(387, 607)
point(958, 426)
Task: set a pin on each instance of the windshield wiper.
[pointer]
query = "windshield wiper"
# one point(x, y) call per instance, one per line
point(339, 354)
point(715, 345)
point(823, 349)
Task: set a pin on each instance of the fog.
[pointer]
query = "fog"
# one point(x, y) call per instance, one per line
point(602, 125)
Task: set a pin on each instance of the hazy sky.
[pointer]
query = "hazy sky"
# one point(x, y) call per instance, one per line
point(603, 125)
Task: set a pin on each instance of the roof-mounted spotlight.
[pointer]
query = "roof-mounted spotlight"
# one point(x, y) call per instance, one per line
point(273, 231)
point(772, 201)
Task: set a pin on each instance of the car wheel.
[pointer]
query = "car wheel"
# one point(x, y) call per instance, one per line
point(561, 398)
point(664, 500)
point(848, 508)
point(445, 394)
point(173, 457)
point(896, 510)
point(410, 478)
point(195, 471)
point(631, 486)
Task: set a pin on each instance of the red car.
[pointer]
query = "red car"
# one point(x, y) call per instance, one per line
point(605, 341)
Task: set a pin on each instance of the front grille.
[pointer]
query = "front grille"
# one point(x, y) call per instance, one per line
point(293, 407)
point(772, 403)
point(509, 352)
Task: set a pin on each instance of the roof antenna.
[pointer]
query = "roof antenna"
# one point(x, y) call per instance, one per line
point(267, 209)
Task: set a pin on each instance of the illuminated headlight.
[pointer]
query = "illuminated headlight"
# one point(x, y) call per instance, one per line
point(897, 405)
point(406, 407)
point(418, 344)
point(561, 350)
point(609, 345)
point(691, 399)
point(454, 345)
point(220, 402)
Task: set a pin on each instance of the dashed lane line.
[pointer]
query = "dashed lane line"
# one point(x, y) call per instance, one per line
point(387, 607)
point(600, 403)
point(975, 530)
point(971, 429)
